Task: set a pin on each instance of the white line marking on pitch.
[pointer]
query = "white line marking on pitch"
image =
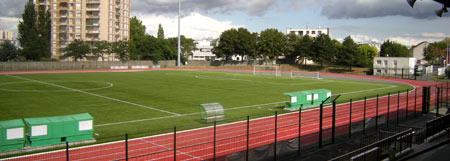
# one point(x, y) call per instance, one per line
point(93, 94)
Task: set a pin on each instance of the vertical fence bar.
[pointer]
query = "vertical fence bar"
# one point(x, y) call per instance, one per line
point(407, 103)
point(398, 106)
point(126, 146)
point(437, 100)
point(214, 152)
point(446, 95)
point(376, 115)
point(248, 133)
point(275, 139)
point(350, 121)
point(415, 102)
point(320, 125)
point(174, 143)
point(387, 114)
point(333, 128)
point(402, 72)
point(364, 121)
point(67, 151)
point(299, 128)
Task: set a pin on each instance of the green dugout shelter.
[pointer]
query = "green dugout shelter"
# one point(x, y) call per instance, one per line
point(11, 135)
point(307, 98)
point(55, 130)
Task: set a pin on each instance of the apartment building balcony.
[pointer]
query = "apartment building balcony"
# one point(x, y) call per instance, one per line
point(93, 1)
point(93, 8)
point(92, 24)
point(92, 31)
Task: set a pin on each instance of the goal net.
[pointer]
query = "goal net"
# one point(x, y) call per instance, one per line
point(313, 75)
point(266, 70)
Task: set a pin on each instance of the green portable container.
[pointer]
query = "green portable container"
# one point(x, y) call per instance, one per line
point(11, 135)
point(307, 98)
point(43, 131)
point(55, 130)
point(84, 128)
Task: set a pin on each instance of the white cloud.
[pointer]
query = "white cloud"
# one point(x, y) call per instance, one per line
point(435, 35)
point(358, 38)
point(194, 25)
point(9, 24)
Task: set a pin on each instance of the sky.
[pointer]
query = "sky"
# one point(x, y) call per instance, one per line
point(363, 20)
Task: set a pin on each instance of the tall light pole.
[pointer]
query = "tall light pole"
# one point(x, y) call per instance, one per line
point(179, 44)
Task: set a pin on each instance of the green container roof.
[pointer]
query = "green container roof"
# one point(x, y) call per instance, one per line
point(82, 116)
point(47, 120)
point(11, 124)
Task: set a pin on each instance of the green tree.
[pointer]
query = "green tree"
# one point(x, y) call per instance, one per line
point(160, 32)
point(28, 36)
point(121, 49)
point(368, 52)
point(324, 50)
point(291, 41)
point(43, 29)
point(101, 48)
point(435, 52)
point(349, 54)
point(8, 51)
point(393, 49)
point(246, 43)
point(137, 35)
point(226, 46)
point(271, 43)
point(303, 48)
point(187, 45)
point(77, 49)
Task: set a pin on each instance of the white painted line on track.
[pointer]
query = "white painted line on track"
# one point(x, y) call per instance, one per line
point(97, 95)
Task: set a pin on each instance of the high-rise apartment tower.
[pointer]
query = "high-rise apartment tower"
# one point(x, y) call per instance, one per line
point(88, 20)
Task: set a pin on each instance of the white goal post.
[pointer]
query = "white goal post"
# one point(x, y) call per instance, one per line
point(313, 75)
point(266, 70)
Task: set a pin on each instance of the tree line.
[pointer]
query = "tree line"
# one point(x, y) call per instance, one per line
point(271, 43)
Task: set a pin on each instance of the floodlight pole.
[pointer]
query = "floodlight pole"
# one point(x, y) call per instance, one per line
point(179, 46)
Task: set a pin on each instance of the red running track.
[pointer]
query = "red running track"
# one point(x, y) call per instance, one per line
point(198, 144)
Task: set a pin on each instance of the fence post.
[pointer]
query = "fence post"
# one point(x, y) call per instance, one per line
point(275, 139)
point(376, 116)
point(126, 146)
point(446, 95)
point(299, 128)
point(320, 125)
point(398, 106)
point(333, 128)
point(248, 133)
point(387, 114)
point(402, 72)
point(407, 103)
point(437, 100)
point(425, 101)
point(415, 102)
point(174, 143)
point(67, 151)
point(214, 159)
point(350, 121)
point(364, 121)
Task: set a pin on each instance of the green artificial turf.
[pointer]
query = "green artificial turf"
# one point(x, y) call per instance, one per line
point(125, 102)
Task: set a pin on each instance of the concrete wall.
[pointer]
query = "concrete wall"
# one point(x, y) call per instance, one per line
point(392, 65)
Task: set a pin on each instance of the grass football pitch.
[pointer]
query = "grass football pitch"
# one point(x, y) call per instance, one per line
point(132, 102)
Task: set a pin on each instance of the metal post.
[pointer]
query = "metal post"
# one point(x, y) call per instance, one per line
point(387, 114)
point(299, 128)
point(446, 95)
point(67, 151)
point(275, 142)
point(407, 103)
point(376, 116)
point(179, 33)
point(320, 125)
point(174, 143)
point(350, 121)
point(214, 159)
point(398, 106)
point(437, 100)
point(364, 121)
point(333, 128)
point(248, 133)
point(415, 102)
point(402, 72)
point(126, 146)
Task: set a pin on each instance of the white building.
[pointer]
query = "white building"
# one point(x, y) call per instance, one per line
point(417, 51)
point(308, 31)
point(203, 52)
point(393, 65)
